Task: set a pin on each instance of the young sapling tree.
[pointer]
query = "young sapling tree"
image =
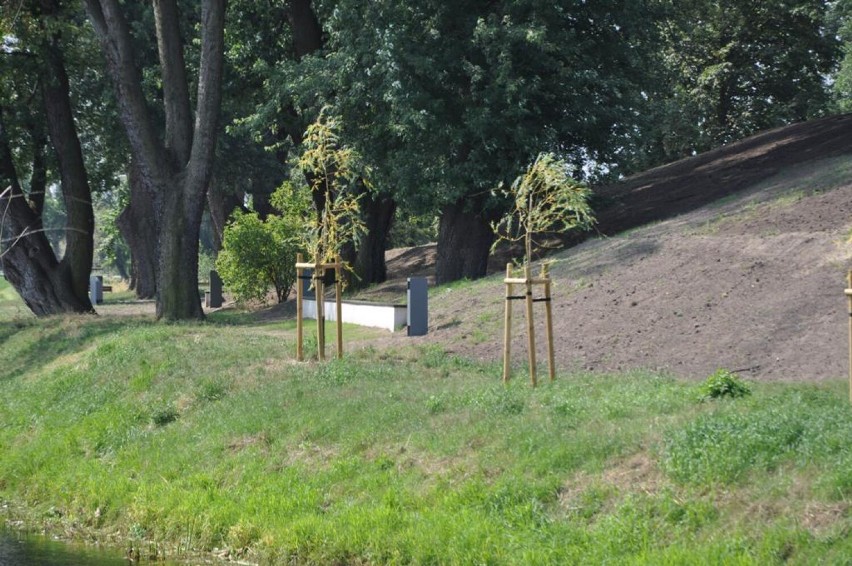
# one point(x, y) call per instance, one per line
point(331, 170)
point(545, 199)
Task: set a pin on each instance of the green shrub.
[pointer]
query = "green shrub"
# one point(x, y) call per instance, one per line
point(724, 383)
point(258, 255)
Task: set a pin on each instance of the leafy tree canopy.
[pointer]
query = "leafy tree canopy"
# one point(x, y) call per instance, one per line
point(730, 69)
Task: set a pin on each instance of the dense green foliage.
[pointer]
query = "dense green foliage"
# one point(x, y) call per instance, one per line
point(205, 435)
point(259, 255)
point(448, 100)
point(841, 19)
point(728, 69)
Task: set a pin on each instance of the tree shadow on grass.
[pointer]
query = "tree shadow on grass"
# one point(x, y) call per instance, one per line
point(45, 340)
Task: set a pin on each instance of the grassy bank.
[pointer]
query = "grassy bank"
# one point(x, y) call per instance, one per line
point(202, 436)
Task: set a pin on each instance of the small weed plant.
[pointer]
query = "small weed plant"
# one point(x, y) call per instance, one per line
point(724, 383)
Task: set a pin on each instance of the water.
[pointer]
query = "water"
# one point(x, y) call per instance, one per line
point(18, 549)
point(29, 550)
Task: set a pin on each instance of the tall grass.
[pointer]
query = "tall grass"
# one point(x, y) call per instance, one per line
point(207, 436)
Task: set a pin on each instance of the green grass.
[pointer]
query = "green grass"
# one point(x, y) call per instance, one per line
point(209, 435)
point(11, 305)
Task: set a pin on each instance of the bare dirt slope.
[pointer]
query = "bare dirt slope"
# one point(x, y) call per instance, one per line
point(743, 267)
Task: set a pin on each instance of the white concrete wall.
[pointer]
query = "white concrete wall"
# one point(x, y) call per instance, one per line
point(389, 317)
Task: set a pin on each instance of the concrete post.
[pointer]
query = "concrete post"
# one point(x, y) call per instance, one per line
point(418, 306)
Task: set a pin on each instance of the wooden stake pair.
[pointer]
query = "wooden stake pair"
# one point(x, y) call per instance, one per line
point(318, 277)
point(528, 282)
point(848, 293)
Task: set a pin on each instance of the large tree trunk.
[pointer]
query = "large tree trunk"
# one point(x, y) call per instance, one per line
point(31, 267)
point(46, 285)
point(307, 33)
point(262, 205)
point(77, 196)
point(464, 243)
point(370, 264)
point(138, 226)
point(178, 295)
point(26, 255)
point(179, 167)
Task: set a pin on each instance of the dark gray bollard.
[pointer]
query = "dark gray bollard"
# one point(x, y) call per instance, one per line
point(418, 306)
point(215, 290)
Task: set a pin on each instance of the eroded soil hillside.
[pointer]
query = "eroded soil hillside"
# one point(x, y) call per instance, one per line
point(736, 258)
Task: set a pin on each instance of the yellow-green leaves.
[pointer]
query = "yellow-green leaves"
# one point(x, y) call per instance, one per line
point(545, 199)
point(333, 172)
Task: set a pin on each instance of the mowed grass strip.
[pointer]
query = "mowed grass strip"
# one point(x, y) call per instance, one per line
point(202, 436)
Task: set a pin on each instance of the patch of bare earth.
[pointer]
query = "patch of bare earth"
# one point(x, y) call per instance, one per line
point(752, 283)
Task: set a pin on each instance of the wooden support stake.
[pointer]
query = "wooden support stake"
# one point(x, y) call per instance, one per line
point(507, 329)
point(849, 304)
point(548, 313)
point(319, 275)
point(530, 324)
point(338, 289)
point(300, 354)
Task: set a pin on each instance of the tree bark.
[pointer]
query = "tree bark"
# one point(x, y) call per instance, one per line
point(178, 297)
point(370, 264)
point(175, 87)
point(38, 177)
point(138, 226)
point(47, 285)
point(221, 205)
point(261, 203)
point(77, 196)
point(307, 33)
point(26, 256)
point(464, 243)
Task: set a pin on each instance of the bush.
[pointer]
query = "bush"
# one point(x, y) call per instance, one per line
point(724, 383)
point(258, 255)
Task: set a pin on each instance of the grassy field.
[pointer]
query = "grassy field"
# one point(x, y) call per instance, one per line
point(194, 437)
